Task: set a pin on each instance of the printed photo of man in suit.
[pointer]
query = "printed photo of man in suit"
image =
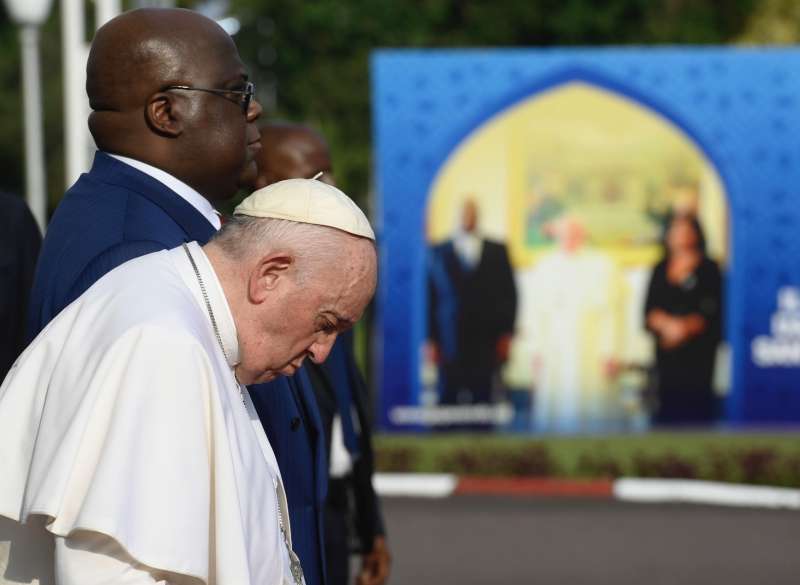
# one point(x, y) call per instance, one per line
point(472, 305)
point(353, 518)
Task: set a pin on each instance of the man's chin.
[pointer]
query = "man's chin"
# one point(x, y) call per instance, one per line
point(248, 176)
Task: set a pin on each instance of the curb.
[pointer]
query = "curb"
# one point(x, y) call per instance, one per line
point(415, 485)
point(640, 490)
point(705, 492)
point(500, 486)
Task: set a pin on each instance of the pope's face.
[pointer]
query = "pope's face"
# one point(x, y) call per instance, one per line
point(303, 319)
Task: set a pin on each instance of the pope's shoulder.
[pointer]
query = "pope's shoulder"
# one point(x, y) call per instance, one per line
point(140, 317)
point(145, 293)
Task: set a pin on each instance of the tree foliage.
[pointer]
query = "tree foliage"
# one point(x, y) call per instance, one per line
point(12, 149)
point(310, 59)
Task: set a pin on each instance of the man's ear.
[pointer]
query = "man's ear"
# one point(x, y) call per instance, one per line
point(163, 115)
point(267, 275)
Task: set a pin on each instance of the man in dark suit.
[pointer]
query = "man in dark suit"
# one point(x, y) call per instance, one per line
point(20, 241)
point(472, 305)
point(165, 153)
point(353, 519)
point(174, 118)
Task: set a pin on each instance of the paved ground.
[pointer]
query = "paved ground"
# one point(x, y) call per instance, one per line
point(471, 540)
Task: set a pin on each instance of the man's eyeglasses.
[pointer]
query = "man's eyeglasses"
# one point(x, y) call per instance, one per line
point(245, 96)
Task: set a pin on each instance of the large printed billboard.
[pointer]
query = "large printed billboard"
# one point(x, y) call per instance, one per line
point(587, 240)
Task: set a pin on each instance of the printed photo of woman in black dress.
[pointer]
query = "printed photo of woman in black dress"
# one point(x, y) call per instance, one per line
point(683, 311)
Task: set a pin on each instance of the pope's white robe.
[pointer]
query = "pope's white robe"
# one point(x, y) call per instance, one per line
point(123, 418)
point(576, 328)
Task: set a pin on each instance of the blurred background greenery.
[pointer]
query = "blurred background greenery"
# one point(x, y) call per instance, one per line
point(766, 458)
point(310, 59)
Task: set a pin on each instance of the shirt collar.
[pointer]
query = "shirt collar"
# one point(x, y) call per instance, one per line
point(183, 190)
point(216, 296)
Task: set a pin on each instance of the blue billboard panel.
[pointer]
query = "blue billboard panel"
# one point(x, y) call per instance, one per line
point(587, 240)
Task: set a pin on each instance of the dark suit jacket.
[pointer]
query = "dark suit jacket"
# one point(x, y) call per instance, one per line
point(115, 213)
point(20, 241)
point(341, 368)
point(110, 215)
point(289, 414)
point(470, 309)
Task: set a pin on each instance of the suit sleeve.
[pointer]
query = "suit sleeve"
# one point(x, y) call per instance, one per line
point(369, 518)
point(433, 329)
point(26, 255)
point(507, 289)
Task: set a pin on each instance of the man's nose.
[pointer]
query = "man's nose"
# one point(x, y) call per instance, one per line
point(319, 350)
point(254, 111)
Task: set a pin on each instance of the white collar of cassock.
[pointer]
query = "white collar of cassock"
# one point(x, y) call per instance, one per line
point(216, 298)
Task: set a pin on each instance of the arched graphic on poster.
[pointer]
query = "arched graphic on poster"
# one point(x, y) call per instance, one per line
point(575, 186)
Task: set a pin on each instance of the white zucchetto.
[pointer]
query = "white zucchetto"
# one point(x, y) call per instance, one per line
point(307, 201)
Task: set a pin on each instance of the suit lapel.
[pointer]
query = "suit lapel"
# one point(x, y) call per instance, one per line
point(109, 170)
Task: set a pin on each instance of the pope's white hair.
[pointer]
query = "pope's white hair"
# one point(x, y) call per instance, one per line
point(312, 246)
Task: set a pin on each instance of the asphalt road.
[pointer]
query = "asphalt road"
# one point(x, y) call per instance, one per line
point(471, 540)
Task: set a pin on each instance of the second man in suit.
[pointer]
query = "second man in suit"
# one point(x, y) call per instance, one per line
point(472, 306)
point(353, 520)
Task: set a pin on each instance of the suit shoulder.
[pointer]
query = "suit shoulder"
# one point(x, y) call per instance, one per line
point(16, 216)
point(441, 247)
point(495, 246)
point(12, 205)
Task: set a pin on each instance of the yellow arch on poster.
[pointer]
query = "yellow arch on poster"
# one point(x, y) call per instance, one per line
point(588, 151)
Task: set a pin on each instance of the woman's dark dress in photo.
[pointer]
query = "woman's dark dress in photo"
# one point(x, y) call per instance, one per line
point(684, 374)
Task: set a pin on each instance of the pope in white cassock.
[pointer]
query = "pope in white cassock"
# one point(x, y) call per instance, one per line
point(575, 315)
point(129, 447)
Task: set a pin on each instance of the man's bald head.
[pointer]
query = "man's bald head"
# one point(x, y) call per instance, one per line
point(143, 51)
point(199, 137)
point(291, 151)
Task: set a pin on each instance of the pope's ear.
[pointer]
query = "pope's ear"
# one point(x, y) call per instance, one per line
point(267, 275)
point(163, 114)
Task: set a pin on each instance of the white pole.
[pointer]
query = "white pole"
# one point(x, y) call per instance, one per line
point(76, 108)
point(34, 138)
point(30, 15)
point(105, 10)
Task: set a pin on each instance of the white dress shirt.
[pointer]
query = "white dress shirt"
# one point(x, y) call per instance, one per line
point(191, 196)
point(341, 460)
point(468, 247)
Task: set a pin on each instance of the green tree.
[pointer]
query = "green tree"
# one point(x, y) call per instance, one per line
point(773, 22)
point(12, 155)
point(311, 59)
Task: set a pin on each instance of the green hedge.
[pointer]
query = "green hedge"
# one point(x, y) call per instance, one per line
point(769, 459)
